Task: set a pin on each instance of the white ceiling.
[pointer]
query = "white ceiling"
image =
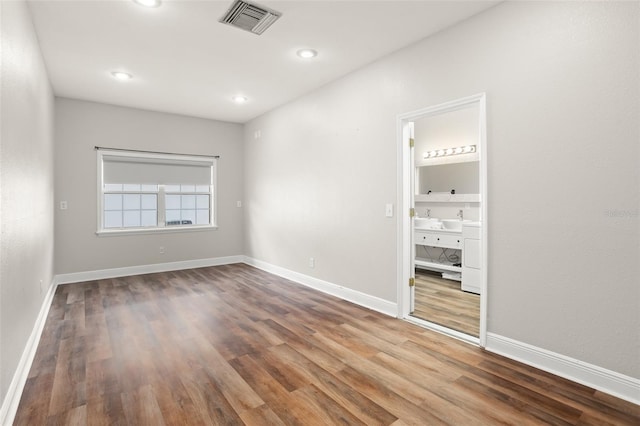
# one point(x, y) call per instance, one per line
point(184, 61)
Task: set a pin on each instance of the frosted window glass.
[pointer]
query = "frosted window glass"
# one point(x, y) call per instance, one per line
point(113, 202)
point(149, 188)
point(112, 187)
point(172, 202)
point(189, 215)
point(131, 218)
point(131, 187)
point(149, 218)
point(113, 219)
point(202, 188)
point(172, 215)
point(172, 188)
point(202, 217)
point(188, 188)
point(202, 202)
point(131, 202)
point(188, 201)
point(149, 201)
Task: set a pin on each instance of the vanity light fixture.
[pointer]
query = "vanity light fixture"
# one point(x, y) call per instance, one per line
point(450, 151)
point(121, 75)
point(239, 99)
point(148, 3)
point(307, 53)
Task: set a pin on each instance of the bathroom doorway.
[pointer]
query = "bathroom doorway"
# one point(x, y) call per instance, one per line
point(443, 228)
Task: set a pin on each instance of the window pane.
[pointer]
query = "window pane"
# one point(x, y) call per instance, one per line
point(172, 202)
point(188, 188)
point(202, 202)
point(188, 201)
point(149, 201)
point(172, 216)
point(188, 216)
point(172, 188)
point(149, 218)
point(112, 187)
point(149, 188)
point(131, 201)
point(113, 219)
point(202, 217)
point(112, 202)
point(131, 187)
point(202, 188)
point(131, 218)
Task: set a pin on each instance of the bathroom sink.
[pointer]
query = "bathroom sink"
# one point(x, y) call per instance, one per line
point(427, 222)
point(452, 224)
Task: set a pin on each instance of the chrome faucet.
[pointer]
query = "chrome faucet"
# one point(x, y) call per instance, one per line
point(460, 214)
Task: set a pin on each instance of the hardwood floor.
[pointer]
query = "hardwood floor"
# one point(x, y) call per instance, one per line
point(442, 302)
point(235, 345)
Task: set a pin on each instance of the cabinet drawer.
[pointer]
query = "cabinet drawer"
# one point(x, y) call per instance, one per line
point(438, 240)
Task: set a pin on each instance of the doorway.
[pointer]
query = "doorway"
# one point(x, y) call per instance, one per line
point(442, 231)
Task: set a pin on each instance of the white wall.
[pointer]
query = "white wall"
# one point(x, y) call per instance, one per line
point(564, 188)
point(80, 126)
point(26, 185)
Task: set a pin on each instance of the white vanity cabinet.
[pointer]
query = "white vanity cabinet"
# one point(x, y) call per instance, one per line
point(437, 238)
point(472, 257)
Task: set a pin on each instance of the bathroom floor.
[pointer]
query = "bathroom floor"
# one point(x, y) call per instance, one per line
point(442, 302)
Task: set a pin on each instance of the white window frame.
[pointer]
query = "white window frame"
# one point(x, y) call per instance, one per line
point(161, 207)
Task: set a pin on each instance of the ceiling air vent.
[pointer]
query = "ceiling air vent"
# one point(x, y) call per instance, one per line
point(250, 17)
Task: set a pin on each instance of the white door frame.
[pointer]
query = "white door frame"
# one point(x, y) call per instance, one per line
point(405, 262)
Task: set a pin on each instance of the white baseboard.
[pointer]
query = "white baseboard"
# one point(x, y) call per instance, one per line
point(616, 384)
point(359, 298)
point(14, 393)
point(101, 274)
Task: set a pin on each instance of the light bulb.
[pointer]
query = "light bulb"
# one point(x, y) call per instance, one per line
point(307, 53)
point(121, 75)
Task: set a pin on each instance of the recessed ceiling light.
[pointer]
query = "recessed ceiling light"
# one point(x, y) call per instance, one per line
point(121, 75)
point(239, 99)
point(148, 3)
point(307, 53)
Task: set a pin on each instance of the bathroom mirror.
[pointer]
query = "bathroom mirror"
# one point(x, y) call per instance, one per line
point(462, 177)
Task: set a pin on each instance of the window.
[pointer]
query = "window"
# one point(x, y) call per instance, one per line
point(141, 192)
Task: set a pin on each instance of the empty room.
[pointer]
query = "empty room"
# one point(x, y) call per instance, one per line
point(315, 212)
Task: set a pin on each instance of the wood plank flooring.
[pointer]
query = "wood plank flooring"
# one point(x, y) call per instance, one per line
point(443, 302)
point(233, 345)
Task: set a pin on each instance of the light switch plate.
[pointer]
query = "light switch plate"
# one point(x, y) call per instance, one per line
point(389, 210)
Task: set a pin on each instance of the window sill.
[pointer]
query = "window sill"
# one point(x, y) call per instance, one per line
point(139, 231)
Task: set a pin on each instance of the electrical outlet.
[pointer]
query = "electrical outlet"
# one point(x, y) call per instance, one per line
point(312, 262)
point(161, 250)
point(63, 205)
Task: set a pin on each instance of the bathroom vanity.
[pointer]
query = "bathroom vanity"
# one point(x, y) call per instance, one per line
point(441, 238)
point(463, 236)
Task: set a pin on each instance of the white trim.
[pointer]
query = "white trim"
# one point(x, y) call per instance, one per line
point(362, 299)
point(77, 277)
point(610, 382)
point(14, 393)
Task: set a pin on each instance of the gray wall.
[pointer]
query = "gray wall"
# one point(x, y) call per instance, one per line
point(80, 126)
point(26, 185)
point(563, 105)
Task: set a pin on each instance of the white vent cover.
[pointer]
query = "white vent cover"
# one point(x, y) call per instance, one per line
point(250, 17)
